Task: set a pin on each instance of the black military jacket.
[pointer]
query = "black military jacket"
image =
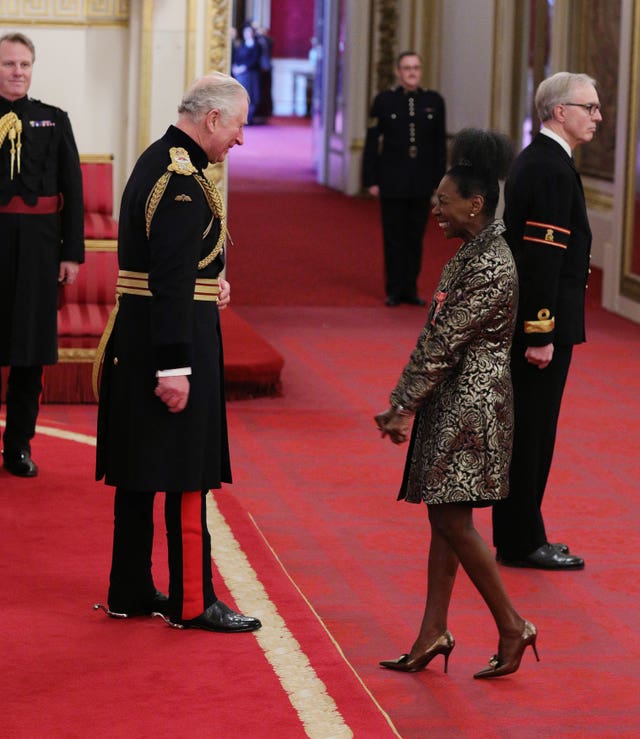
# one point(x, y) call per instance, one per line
point(141, 445)
point(32, 246)
point(549, 234)
point(405, 150)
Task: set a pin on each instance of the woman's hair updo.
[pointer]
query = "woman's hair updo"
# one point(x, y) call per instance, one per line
point(479, 159)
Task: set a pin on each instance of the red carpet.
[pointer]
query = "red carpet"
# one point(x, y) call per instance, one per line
point(320, 485)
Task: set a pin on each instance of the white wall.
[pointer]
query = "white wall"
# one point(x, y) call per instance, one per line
point(467, 38)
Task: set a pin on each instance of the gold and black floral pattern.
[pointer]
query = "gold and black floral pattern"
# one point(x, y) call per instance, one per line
point(458, 379)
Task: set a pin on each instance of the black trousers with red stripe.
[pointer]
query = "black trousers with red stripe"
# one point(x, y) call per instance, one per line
point(131, 585)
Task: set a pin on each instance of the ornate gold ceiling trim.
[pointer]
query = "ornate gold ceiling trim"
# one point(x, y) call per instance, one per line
point(67, 12)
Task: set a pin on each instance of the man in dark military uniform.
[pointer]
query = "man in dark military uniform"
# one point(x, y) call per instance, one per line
point(41, 240)
point(548, 232)
point(403, 162)
point(161, 418)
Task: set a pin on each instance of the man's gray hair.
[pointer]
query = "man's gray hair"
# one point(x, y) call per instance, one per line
point(214, 90)
point(556, 90)
point(20, 38)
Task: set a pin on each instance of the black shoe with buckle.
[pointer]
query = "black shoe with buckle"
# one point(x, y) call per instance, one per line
point(20, 463)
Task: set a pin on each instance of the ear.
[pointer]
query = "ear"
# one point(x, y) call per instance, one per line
point(212, 118)
point(559, 113)
point(477, 203)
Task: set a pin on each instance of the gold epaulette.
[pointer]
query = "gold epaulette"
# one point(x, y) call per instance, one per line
point(544, 325)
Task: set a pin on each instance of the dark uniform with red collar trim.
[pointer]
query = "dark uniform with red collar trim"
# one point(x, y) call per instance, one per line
point(549, 234)
point(405, 155)
point(169, 232)
point(41, 224)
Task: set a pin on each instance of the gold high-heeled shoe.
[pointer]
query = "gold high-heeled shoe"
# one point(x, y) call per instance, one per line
point(444, 645)
point(499, 666)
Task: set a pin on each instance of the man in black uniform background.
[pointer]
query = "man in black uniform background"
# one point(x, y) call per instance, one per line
point(549, 234)
point(41, 240)
point(404, 160)
point(161, 418)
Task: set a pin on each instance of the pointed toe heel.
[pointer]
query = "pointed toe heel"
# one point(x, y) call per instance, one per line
point(443, 645)
point(505, 665)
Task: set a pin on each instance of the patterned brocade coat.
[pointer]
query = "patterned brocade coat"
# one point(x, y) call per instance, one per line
point(458, 380)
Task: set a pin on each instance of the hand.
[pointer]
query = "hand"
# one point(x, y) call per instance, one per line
point(68, 272)
point(224, 297)
point(173, 392)
point(374, 190)
point(541, 356)
point(394, 425)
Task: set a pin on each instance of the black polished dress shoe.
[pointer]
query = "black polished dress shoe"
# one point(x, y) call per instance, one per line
point(158, 604)
point(219, 617)
point(392, 301)
point(20, 464)
point(415, 300)
point(546, 557)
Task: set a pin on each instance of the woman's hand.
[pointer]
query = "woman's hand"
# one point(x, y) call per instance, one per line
point(394, 424)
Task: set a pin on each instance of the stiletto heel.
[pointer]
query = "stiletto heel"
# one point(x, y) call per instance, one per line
point(444, 645)
point(499, 666)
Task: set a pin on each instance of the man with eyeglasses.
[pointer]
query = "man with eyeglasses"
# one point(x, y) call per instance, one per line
point(548, 232)
point(403, 162)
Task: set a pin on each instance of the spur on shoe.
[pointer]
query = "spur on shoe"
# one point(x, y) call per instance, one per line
point(546, 557)
point(20, 463)
point(444, 645)
point(506, 664)
point(159, 603)
point(219, 617)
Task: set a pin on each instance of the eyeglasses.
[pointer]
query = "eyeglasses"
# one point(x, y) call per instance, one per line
point(591, 108)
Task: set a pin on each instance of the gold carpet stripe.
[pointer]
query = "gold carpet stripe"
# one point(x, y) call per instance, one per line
point(308, 694)
point(329, 634)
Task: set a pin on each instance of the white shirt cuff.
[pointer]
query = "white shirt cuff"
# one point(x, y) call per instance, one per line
point(177, 372)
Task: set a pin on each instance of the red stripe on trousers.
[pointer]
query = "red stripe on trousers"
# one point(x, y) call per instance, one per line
point(192, 585)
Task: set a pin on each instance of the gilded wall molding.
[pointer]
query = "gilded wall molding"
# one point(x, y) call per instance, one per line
point(596, 49)
point(387, 11)
point(68, 12)
point(146, 66)
point(218, 58)
point(218, 50)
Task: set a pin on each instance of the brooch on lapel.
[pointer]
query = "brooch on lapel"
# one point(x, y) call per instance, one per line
point(439, 299)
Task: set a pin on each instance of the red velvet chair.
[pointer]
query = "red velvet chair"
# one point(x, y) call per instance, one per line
point(85, 305)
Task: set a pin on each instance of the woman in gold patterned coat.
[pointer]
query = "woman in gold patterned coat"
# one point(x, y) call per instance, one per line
point(455, 396)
